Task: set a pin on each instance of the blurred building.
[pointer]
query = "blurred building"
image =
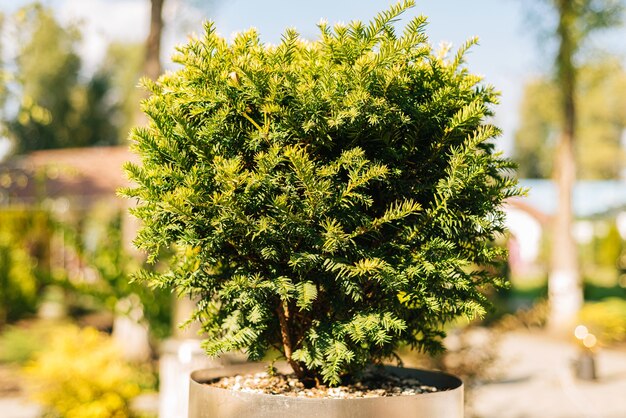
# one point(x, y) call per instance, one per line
point(76, 178)
point(70, 184)
point(596, 204)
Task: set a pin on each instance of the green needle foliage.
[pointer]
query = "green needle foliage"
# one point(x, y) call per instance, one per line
point(332, 200)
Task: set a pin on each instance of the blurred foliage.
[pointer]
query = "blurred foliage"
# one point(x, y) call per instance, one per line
point(608, 247)
point(49, 100)
point(4, 76)
point(527, 295)
point(82, 375)
point(533, 316)
point(99, 243)
point(600, 260)
point(24, 255)
point(20, 343)
point(106, 263)
point(601, 120)
point(606, 319)
point(595, 292)
point(57, 104)
point(123, 64)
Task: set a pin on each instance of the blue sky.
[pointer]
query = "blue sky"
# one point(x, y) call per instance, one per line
point(508, 55)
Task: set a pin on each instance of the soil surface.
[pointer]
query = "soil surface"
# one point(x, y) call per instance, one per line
point(369, 386)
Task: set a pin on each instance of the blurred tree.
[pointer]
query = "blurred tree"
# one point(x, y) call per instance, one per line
point(576, 21)
point(123, 64)
point(56, 109)
point(97, 113)
point(539, 120)
point(152, 63)
point(601, 107)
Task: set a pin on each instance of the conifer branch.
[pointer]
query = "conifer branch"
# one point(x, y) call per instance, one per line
point(356, 217)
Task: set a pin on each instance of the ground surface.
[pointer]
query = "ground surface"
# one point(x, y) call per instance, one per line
point(536, 382)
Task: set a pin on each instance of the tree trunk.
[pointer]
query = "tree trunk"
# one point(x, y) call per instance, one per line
point(283, 318)
point(565, 291)
point(152, 65)
point(152, 60)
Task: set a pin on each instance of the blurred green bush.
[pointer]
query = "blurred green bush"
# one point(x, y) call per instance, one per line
point(606, 319)
point(24, 255)
point(91, 265)
point(81, 374)
point(19, 344)
point(98, 241)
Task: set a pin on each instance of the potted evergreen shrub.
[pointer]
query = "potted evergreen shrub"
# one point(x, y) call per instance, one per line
point(329, 201)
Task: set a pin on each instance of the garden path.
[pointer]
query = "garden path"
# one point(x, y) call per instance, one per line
point(538, 381)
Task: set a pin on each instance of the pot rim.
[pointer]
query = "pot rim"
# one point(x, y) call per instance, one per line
point(202, 376)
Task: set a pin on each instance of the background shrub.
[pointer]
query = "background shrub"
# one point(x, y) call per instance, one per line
point(20, 343)
point(82, 375)
point(606, 319)
point(24, 252)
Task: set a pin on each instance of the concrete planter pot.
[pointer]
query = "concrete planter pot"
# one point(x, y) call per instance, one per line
point(210, 402)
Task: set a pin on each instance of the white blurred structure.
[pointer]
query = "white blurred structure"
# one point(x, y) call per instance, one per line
point(525, 241)
point(179, 357)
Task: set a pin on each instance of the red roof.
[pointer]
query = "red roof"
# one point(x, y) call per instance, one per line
point(76, 173)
